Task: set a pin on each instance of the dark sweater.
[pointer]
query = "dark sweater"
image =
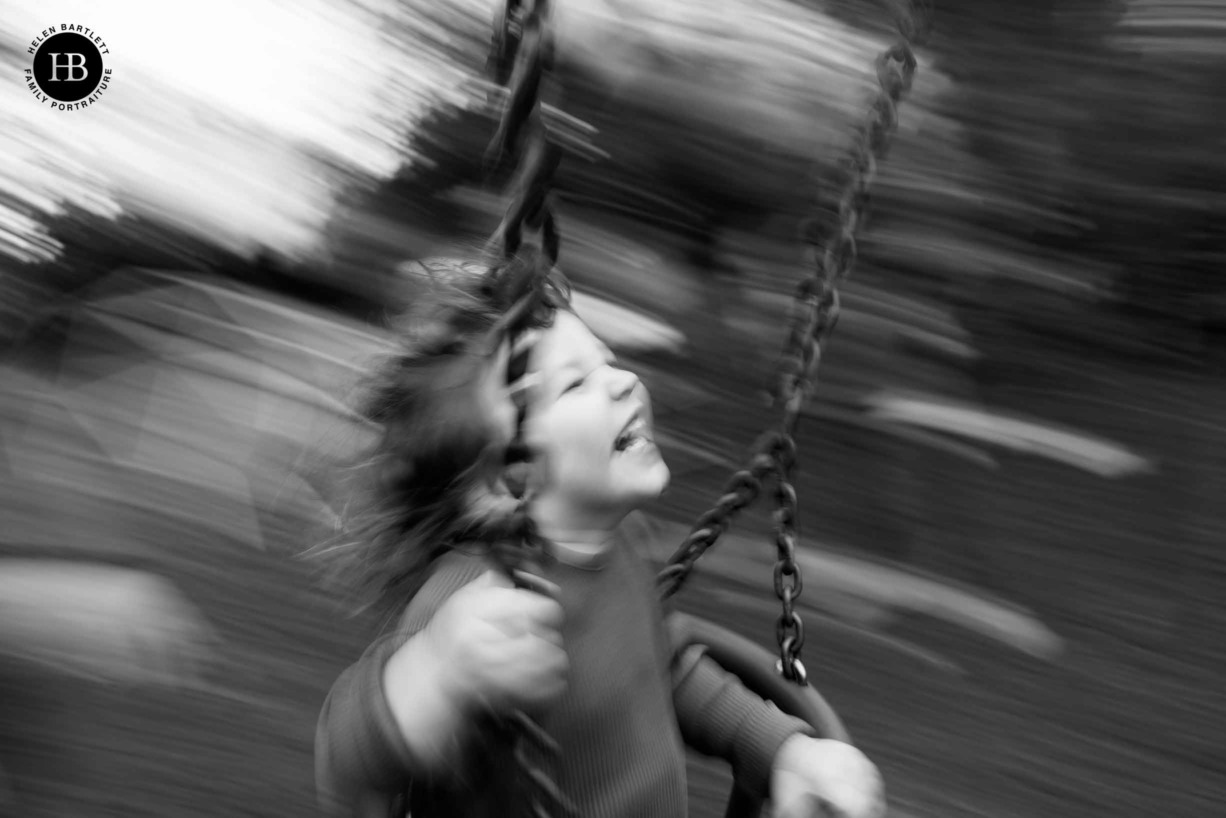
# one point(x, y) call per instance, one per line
point(630, 703)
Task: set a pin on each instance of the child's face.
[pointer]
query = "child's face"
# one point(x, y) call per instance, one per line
point(591, 426)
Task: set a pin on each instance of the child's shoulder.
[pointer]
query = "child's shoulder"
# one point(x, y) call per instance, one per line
point(446, 575)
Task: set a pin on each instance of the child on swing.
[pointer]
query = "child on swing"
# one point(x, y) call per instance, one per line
point(591, 659)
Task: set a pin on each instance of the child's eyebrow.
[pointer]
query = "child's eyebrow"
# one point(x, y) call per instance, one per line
point(576, 362)
point(568, 367)
point(579, 361)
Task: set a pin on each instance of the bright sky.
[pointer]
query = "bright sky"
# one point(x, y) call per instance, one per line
point(216, 117)
point(225, 115)
point(302, 66)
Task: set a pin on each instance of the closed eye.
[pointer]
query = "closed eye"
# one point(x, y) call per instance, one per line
point(575, 384)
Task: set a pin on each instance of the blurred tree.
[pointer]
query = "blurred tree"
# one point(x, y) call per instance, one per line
point(1096, 150)
point(1052, 158)
point(91, 246)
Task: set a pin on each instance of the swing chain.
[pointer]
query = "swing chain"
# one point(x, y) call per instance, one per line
point(741, 490)
point(789, 628)
point(814, 314)
point(520, 58)
point(815, 310)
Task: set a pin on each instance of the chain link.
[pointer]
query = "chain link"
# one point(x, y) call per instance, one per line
point(525, 249)
point(520, 59)
point(814, 314)
point(741, 490)
point(789, 629)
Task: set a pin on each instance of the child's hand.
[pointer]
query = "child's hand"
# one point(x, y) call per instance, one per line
point(812, 777)
point(499, 647)
point(489, 646)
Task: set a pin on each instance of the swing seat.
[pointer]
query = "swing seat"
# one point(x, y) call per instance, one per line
point(755, 667)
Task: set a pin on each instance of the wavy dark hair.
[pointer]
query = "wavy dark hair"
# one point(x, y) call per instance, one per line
point(408, 496)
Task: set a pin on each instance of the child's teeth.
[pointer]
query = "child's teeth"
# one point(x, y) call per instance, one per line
point(634, 437)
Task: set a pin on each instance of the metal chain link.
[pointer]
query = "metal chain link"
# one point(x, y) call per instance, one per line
point(814, 314)
point(520, 58)
point(741, 490)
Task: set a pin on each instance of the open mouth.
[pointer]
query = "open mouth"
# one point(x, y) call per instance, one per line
point(636, 435)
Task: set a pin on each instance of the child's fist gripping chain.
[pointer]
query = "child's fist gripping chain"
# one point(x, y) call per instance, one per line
point(490, 647)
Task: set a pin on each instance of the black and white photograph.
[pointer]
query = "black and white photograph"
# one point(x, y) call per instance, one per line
point(612, 409)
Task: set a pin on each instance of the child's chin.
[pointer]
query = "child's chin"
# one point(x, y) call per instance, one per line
point(655, 482)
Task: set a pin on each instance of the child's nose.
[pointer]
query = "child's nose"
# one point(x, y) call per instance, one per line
point(622, 383)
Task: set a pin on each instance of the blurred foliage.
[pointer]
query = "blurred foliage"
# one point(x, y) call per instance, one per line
point(1052, 157)
point(1056, 158)
point(93, 246)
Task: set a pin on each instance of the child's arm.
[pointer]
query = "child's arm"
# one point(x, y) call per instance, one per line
point(362, 762)
point(468, 645)
point(771, 753)
point(720, 717)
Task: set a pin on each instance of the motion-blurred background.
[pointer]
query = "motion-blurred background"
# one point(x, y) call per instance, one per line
point(1011, 479)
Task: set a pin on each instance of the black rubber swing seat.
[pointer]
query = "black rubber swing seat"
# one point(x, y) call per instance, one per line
point(755, 667)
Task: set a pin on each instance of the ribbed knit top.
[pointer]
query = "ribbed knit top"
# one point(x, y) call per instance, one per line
point(631, 705)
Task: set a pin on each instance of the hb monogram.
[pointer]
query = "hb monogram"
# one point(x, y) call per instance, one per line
point(71, 65)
